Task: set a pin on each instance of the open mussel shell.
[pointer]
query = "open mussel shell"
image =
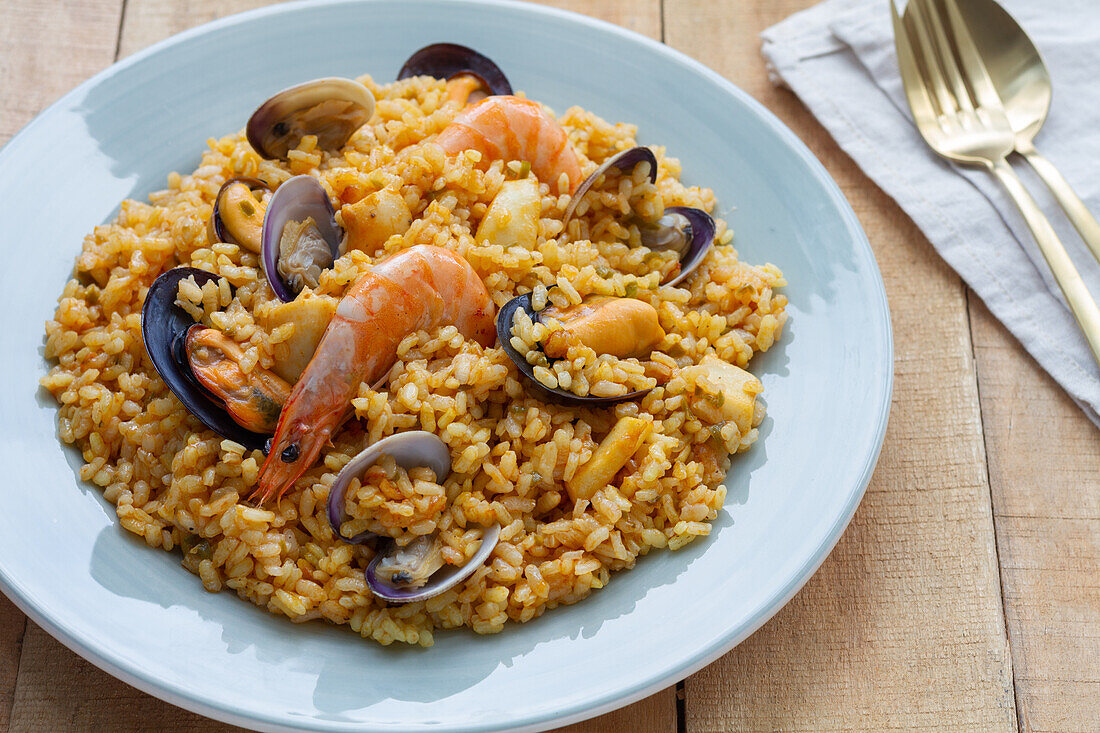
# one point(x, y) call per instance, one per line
point(216, 226)
point(558, 396)
point(408, 450)
point(447, 60)
point(298, 199)
point(331, 108)
point(696, 228)
point(164, 326)
point(625, 161)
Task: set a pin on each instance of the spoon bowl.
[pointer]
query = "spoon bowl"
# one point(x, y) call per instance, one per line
point(1015, 66)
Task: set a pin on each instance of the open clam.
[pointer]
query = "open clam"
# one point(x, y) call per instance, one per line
point(505, 317)
point(300, 236)
point(413, 572)
point(687, 231)
point(331, 108)
point(469, 74)
point(164, 329)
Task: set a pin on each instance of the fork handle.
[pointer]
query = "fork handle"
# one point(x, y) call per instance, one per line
point(1082, 219)
point(1073, 287)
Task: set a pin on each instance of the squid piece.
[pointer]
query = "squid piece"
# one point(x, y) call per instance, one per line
point(610, 456)
point(310, 315)
point(375, 218)
point(736, 389)
point(513, 217)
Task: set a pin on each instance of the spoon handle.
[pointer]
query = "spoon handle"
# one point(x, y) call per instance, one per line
point(1079, 215)
point(1080, 301)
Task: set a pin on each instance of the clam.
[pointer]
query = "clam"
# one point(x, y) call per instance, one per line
point(238, 215)
point(505, 317)
point(331, 108)
point(416, 571)
point(300, 236)
point(625, 161)
point(164, 329)
point(470, 75)
point(687, 231)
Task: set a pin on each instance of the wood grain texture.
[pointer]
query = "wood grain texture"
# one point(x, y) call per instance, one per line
point(12, 625)
point(47, 47)
point(59, 691)
point(1044, 468)
point(149, 21)
point(902, 627)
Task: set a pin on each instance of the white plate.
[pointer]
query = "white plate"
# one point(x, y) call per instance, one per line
point(136, 613)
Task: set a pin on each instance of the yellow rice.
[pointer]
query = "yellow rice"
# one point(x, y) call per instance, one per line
point(180, 486)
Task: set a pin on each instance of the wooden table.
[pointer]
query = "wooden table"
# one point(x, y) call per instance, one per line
point(965, 595)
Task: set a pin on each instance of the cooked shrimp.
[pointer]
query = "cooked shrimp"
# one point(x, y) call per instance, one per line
point(420, 288)
point(510, 128)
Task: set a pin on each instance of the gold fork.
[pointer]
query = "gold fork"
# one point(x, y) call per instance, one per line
point(967, 124)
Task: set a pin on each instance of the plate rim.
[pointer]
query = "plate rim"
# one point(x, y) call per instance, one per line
point(126, 671)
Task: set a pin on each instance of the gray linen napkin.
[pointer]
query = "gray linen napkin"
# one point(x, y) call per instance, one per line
point(838, 57)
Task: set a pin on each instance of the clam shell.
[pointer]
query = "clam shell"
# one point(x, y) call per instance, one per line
point(702, 239)
point(272, 130)
point(297, 199)
point(442, 580)
point(409, 450)
point(626, 160)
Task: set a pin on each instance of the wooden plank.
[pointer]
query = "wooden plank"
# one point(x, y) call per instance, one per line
point(149, 21)
point(49, 46)
point(902, 627)
point(59, 691)
point(12, 625)
point(89, 699)
point(33, 74)
point(1044, 468)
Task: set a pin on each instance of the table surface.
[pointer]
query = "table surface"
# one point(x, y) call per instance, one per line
point(965, 595)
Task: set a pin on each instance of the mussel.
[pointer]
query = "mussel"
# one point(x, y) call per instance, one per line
point(413, 572)
point(687, 231)
point(331, 108)
point(300, 236)
point(505, 318)
point(164, 329)
point(238, 215)
point(470, 75)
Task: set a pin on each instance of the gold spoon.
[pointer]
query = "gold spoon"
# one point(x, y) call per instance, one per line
point(1021, 79)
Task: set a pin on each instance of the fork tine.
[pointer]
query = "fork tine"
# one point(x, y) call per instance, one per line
point(933, 19)
point(915, 90)
point(977, 76)
point(935, 70)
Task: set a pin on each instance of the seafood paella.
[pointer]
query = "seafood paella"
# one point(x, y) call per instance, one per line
point(415, 355)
